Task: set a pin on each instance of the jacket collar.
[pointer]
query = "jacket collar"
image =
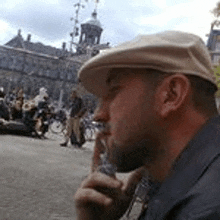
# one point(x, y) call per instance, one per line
point(197, 156)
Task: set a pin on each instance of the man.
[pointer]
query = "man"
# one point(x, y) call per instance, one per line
point(73, 124)
point(157, 101)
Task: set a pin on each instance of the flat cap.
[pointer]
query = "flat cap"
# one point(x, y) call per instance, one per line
point(169, 51)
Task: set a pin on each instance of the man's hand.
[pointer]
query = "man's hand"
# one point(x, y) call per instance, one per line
point(101, 197)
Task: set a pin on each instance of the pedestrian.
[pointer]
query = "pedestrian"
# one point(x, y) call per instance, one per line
point(157, 100)
point(73, 123)
point(4, 109)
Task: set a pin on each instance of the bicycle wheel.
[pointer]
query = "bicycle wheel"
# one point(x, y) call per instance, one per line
point(89, 133)
point(57, 127)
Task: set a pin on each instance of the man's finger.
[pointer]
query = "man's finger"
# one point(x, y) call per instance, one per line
point(90, 196)
point(97, 179)
point(132, 181)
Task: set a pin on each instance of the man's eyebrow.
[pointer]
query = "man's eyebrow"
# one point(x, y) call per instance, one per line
point(116, 74)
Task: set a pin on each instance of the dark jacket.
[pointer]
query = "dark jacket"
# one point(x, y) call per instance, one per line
point(192, 192)
point(76, 106)
point(4, 110)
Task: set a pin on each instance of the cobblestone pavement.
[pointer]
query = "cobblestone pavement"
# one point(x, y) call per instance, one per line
point(39, 178)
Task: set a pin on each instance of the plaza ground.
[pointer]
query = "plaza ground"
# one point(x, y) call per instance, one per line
point(39, 178)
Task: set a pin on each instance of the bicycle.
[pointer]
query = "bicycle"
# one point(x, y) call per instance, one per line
point(90, 128)
point(58, 122)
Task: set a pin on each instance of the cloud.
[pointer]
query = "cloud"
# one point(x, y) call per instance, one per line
point(49, 21)
point(45, 20)
point(190, 16)
point(121, 19)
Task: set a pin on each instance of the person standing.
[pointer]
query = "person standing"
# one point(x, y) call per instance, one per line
point(73, 123)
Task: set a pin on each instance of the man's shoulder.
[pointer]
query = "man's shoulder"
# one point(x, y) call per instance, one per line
point(198, 200)
point(207, 188)
point(203, 200)
point(193, 190)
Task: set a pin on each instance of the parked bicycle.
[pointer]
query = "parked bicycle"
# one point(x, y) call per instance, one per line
point(58, 122)
point(90, 127)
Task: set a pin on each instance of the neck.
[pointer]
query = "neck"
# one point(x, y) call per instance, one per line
point(179, 130)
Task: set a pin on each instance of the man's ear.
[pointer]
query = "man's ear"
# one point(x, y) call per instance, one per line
point(171, 94)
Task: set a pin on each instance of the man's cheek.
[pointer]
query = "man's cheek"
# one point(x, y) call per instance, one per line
point(119, 128)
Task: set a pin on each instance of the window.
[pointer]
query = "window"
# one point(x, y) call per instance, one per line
point(217, 46)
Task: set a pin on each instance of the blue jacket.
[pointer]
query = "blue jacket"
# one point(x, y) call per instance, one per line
point(192, 192)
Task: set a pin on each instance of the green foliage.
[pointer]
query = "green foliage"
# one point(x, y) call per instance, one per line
point(216, 13)
point(216, 10)
point(217, 77)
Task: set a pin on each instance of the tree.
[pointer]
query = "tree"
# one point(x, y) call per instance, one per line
point(216, 10)
point(216, 13)
point(216, 22)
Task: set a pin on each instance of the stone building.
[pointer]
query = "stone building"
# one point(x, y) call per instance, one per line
point(213, 45)
point(30, 65)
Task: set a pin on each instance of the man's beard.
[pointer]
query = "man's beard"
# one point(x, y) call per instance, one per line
point(133, 156)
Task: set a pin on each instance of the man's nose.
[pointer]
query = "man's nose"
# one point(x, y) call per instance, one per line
point(101, 114)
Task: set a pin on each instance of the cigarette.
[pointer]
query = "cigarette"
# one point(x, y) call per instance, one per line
point(106, 167)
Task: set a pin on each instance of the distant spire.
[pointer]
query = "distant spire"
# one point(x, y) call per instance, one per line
point(19, 32)
point(94, 14)
point(96, 6)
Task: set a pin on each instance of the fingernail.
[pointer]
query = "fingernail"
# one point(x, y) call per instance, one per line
point(108, 201)
point(117, 184)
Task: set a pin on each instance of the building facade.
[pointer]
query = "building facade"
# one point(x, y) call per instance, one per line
point(213, 46)
point(30, 66)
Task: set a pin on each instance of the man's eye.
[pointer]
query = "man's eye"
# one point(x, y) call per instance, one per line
point(115, 88)
point(113, 91)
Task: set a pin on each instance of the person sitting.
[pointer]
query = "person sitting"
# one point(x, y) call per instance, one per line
point(4, 110)
point(16, 109)
point(42, 114)
point(29, 111)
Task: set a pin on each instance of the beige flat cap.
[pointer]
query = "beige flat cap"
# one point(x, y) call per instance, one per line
point(169, 51)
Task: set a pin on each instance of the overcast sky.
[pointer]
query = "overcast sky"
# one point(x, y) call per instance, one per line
point(48, 21)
